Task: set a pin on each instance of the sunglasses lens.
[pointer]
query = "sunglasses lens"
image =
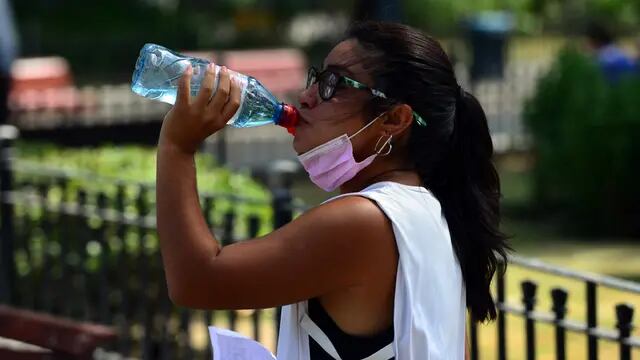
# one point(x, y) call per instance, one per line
point(326, 93)
point(328, 84)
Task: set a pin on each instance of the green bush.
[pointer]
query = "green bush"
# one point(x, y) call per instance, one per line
point(97, 169)
point(587, 160)
point(137, 163)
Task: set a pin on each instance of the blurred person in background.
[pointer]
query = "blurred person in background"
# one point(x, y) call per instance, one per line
point(8, 51)
point(390, 267)
point(613, 60)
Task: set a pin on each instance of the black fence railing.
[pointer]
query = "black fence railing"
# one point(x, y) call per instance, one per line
point(86, 248)
point(557, 316)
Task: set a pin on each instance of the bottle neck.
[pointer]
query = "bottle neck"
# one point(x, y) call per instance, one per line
point(287, 116)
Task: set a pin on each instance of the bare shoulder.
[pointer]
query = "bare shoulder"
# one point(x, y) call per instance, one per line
point(354, 221)
point(355, 211)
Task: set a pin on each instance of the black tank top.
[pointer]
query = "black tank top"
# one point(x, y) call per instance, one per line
point(349, 347)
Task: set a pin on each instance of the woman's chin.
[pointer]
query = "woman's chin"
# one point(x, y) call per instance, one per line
point(297, 145)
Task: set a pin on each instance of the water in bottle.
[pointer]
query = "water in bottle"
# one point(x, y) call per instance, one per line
point(158, 71)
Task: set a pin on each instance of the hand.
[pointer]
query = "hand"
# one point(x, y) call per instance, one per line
point(189, 122)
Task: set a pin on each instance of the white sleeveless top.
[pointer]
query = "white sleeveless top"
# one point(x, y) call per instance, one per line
point(429, 302)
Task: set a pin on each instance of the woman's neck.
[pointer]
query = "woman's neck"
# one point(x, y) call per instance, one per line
point(380, 171)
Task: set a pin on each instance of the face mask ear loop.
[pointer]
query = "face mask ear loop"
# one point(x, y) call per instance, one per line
point(366, 126)
point(388, 142)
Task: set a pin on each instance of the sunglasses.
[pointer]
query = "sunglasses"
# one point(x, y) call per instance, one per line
point(328, 81)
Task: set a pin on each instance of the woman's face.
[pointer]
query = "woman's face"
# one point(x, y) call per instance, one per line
point(324, 120)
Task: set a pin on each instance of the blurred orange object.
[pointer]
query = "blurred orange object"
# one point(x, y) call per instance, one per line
point(282, 71)
point(44, 84)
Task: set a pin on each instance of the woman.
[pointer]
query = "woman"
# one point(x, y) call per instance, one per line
point(387, 269)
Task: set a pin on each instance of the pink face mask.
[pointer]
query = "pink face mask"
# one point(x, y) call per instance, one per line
point(332, 163)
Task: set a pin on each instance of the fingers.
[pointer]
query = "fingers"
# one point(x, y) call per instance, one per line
point(233, 104)
point(206, 87)
point(183, 97)
point(222, 93)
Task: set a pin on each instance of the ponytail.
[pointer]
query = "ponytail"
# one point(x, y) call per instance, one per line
point(470, 199)
point(452, 154)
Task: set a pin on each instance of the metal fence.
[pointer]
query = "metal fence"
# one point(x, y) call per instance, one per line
point(557, 315)
point(86, 248)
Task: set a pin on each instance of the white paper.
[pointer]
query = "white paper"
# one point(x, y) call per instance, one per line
point(230, 345)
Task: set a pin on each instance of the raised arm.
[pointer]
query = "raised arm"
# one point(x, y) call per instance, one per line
point(329, 248)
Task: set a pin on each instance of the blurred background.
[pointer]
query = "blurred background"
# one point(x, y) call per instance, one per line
point(558, 79)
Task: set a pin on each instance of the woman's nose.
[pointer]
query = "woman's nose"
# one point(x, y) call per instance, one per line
point(308, 98)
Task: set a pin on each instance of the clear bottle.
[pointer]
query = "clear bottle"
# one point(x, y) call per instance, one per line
point(158, 71)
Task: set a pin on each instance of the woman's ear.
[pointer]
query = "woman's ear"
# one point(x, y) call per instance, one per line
point(398, 118)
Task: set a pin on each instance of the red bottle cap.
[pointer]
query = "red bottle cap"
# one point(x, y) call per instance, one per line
point(289, 118)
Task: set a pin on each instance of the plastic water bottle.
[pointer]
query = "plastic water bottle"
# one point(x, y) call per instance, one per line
point(158, 71)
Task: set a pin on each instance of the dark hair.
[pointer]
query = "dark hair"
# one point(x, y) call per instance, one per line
point(452, 154)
